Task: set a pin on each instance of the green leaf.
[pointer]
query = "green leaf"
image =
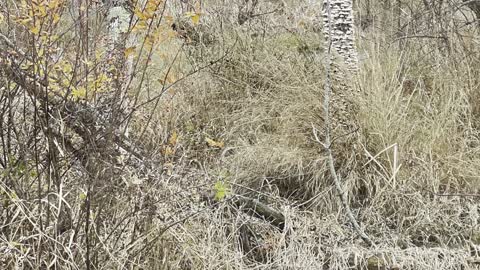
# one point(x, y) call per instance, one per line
point(221, 190)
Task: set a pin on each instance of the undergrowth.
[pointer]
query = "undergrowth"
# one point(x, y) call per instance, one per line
point(245, 119)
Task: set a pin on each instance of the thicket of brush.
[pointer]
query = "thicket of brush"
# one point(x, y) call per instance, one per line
point(240, 125)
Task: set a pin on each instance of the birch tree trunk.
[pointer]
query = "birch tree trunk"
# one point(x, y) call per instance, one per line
point(339, 30)
point(119, 38)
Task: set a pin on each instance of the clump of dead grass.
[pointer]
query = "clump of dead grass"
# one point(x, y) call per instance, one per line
point(262, 102)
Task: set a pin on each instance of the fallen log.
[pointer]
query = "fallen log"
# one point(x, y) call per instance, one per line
point(257, 209)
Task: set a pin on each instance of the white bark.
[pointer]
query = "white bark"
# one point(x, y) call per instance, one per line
point(118, 40)
point(339, 30)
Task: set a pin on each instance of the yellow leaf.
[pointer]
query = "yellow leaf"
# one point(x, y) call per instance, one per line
point(43, 10)
point(215, 144)
point(35, 30)
point(129, 51)
point(54, 4)
point(99, 84)
point(56, 18)
point(79, 93)
point(140, 14)
point(141, 25)
point(24, 21)
point(173, 139)
point(149, 12)
point(1, 17)
point(169, 20)
point(172, 33)
point(102, 78)
point(67, 68)
point(171, 92)
point(171, 78)
point(40, 52)
point(44, 38)
point(149, 41)
point(65, 82)
point(99, 55)
point(195, 18)
point(87, 61)
point(26, 66)
point(54, 86)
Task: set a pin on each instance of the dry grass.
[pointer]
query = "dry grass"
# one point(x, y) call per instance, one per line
point(409, 170)
point(417, 140)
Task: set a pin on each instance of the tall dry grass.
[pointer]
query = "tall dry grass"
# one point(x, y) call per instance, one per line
point(410, 173)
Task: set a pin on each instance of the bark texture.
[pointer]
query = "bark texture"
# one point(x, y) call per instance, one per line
point(339, 30)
